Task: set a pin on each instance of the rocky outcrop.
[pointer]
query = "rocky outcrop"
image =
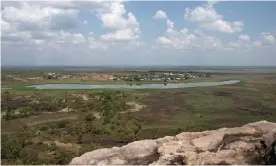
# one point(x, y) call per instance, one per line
point(239, 145)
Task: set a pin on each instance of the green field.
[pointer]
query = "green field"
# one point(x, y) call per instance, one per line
point(38, 132)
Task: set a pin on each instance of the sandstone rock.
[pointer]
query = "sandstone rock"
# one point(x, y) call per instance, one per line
point(269, 137)
point(207, 158)
point(164, 139)
point(238, 130)
point(190, 135)
point(223, 146)
point(140, 152)
point(262, 126)
point(170, 160)
point(175, 147)
point(209, 143)
point(93, 157)
point(226, 153)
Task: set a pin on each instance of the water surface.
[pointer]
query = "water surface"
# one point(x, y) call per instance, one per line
point(133, 86)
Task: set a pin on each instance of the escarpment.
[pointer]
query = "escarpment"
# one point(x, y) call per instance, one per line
point(239, 145)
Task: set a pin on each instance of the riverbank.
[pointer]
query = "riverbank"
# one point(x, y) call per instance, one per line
point(131, 86)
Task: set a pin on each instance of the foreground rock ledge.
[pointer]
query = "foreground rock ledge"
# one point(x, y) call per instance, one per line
point(239, 145)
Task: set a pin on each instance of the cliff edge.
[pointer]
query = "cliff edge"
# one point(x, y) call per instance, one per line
point(239, 145)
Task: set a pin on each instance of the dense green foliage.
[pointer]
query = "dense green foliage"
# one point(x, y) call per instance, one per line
point(23, 148)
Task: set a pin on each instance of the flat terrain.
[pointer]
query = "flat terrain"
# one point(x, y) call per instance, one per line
point(205, 108)
point(139, 114)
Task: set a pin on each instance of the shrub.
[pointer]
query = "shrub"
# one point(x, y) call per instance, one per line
point(43, 127)
point(112, 127)
point(25, 111)
point(127, 135)
point(63, 123)
point(61, 157)
point(89, 117)
point(29, 156)
point(179, 130)
point(106, 130)
point(12, 144)
point(79, 138)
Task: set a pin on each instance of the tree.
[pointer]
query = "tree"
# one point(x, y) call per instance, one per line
point(61, 156)
point(25, 111)
point(79, 138)
point(89, 117)
point(186, 76)
point(136, 78)
point(8, 109)
point(29, 156)
point(208, 75)
point(49, 76)
point(43, 127)
point(62, 124)
point(12, 144)
point(9, 115)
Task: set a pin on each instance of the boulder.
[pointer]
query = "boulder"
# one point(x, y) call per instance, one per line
point(140, 152)
point(238, 145)
point(209, 143)
point(164, 139)
point(262, 126)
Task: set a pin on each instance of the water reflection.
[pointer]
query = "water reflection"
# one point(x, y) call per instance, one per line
point(131, 86)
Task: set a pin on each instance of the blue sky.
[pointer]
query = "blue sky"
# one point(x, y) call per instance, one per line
point(138, 33)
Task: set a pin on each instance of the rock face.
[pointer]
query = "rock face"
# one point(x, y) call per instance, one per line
point(240, 145)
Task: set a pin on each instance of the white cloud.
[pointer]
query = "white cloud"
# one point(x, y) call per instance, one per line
point(201, 14)
point(170, 24)
point(36, 23)
point(163, 40)
point(117, 21)
point(212, 2)
point(126, 29)
point(211, 42)
point(223, 26)
point(96, 6)
point(6, 27)
point(160, 14)
point(182, 40)
point(184, 30)
point(234, 45)
point(48, 30)
point(93, 43)
point(256, 44)
point(122, 35)
point(35, 17)
point(244, 38)
point(209, 19)
point(244, 42)
point(78, 38)
point(267, 38)
point(15, 38)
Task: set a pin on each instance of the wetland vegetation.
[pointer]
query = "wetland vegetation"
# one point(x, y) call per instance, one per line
point(53, 126)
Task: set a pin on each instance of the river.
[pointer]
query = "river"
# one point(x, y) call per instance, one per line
point(128, 86)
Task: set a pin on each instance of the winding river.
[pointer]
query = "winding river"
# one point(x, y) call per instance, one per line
point(133, 86)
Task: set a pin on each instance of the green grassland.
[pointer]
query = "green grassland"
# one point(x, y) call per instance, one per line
point(42, 134)
point(9, 82)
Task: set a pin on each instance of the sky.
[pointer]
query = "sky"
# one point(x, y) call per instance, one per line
point(96, 33)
